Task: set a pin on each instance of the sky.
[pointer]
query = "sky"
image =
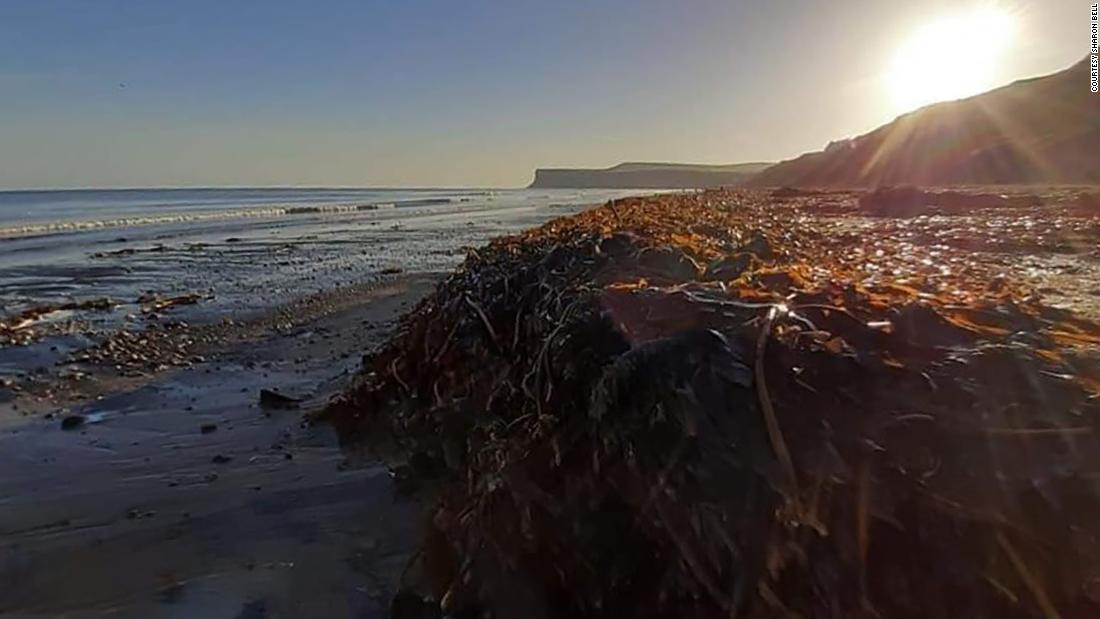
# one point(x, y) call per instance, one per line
point(121, 93)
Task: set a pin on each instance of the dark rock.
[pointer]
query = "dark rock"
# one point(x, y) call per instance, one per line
point(274, 399)
point(71, 422)
point(207, 428)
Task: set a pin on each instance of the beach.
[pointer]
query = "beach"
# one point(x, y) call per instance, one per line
point(577, 310)
point(182, 495)
point(162, 458)
point(142, 470)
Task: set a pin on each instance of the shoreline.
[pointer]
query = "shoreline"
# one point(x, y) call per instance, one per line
point(128, 359)
point(207, 498)
point(200, 499)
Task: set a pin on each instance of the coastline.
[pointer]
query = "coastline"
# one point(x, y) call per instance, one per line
point(179, 492)
point(128, 360)
point(142, 473)
point(205, 501)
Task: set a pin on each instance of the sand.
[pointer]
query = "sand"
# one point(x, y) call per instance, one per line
point(137, 511)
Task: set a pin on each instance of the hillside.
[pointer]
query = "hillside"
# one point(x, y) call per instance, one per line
point(1039, 130)
point(647, 175)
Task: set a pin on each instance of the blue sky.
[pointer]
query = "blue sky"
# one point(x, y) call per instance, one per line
point(408, 92)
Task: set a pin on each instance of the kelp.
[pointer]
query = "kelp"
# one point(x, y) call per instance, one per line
point(715, 404)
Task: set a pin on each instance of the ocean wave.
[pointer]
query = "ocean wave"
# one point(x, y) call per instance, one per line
point(63, 227)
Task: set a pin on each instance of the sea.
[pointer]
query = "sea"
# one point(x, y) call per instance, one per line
point(242, 249)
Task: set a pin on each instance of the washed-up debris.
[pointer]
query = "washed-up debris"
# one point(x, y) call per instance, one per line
point(152, 303)
point(140, 514)
point(157, 347)
point(16, 329)
point(837, 423)
point(129, 251)
point(274, 399)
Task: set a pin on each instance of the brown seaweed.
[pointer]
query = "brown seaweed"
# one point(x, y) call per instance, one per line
point(713, 405)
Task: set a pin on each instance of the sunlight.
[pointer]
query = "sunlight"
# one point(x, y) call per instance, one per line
point(952, 57)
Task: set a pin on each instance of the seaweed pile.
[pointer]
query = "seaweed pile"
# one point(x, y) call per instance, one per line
point(717, 404)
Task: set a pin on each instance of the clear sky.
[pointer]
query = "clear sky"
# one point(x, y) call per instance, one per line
point(454, 92)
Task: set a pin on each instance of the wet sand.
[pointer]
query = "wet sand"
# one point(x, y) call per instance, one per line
point(178, 494)
point(173, 492)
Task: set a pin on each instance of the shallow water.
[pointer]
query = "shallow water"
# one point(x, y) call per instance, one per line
point(242, 250)
point(61, 244)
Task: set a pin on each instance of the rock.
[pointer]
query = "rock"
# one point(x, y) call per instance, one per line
point(207, 428)
point(221, 459)
point(71, 422)
point(274, 399)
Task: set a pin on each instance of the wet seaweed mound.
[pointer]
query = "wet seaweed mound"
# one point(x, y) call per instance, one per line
point(708, 405)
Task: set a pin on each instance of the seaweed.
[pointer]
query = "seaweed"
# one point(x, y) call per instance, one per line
point(714, 404)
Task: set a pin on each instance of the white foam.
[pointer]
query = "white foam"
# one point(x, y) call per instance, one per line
point(62, 227)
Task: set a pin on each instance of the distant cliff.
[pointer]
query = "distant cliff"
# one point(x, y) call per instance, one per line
point(647, 176)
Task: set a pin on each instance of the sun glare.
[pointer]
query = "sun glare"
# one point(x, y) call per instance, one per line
point(952, 57)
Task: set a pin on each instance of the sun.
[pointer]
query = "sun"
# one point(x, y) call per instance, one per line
point(951, 57)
